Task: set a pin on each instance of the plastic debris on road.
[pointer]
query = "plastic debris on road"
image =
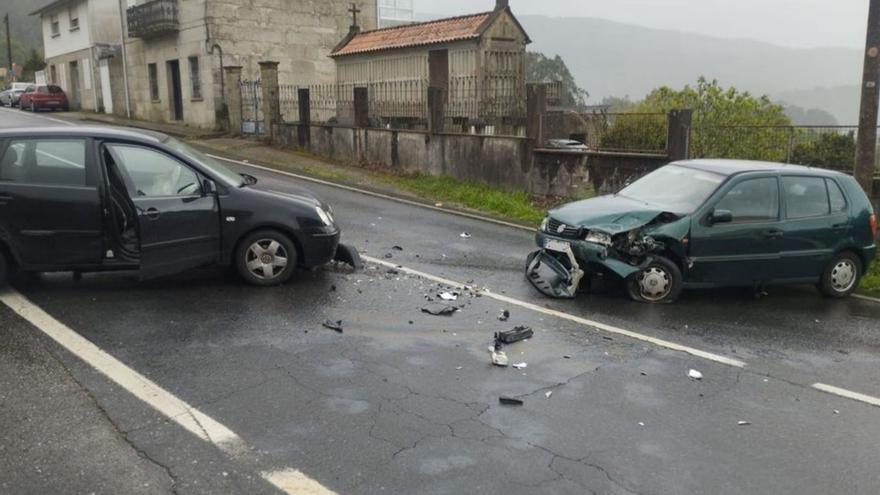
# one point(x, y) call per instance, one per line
point(548, 394)
point(695, 375)
point(744, 423)
point(449, 296)
point(513, 336)
point(499, 357)
point(504, 316)
point(438, 309)
point(521, 366)
point(465, 235)
point(334, 325)
point(510, 401)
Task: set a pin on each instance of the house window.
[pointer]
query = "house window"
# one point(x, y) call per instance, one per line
point(56, 29)
point(53, 74)
point(195, 80)
point(153, 73)
point(73, 15)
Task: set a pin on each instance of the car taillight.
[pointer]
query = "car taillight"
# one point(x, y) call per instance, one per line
point(873, 223)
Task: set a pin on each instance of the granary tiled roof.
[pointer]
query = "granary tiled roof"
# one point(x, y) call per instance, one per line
point(425, 33)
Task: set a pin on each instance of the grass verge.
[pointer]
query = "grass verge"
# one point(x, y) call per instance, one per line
point(871, 280)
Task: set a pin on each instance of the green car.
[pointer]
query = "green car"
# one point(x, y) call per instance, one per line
point(712, 223)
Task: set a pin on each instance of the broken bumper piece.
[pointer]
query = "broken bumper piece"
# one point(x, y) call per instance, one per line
point(350, 256)
point(552, 276)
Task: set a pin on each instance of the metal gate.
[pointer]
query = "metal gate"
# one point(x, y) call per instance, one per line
point(252, 121)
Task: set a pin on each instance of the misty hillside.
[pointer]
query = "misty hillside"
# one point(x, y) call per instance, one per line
point(25, 28)
point(613, 59)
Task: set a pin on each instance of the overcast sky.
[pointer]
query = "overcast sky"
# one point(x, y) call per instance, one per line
point(807, 23)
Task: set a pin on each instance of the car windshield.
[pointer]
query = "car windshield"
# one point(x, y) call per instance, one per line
point(220, 170)
point(676, 189)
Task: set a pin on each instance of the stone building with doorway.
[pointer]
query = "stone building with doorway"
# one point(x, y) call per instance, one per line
point(478, 60)
point(176, 49)
point(81, 40)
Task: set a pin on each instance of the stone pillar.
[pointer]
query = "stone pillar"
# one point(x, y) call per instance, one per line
point(436, 109)
point(232, 84)
point(271, 101)
point(536, 111)
point(361, 107)
point(678, 141)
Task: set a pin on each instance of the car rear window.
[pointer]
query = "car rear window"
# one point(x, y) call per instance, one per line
point(55, 90)
point(42, 90)
point(805, 197)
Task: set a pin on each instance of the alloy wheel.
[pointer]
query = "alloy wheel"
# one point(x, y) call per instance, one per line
point(267, 259)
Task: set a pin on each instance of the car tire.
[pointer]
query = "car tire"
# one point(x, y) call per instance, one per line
point(842, 276)
point(258, 258)
point(659, 282)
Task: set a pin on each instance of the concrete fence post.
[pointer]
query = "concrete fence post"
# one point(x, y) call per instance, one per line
point(678, 141)
point(271, 98)
point(536, 111)
point(304, 135)
point(436, 109)
point(361, 107)
point(232, 84)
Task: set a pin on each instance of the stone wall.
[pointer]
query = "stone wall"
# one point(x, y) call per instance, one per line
point(506, 162)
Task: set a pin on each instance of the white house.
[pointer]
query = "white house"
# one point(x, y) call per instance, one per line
point(80, 42)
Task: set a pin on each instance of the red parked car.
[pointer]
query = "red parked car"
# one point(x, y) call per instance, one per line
point(44, 97)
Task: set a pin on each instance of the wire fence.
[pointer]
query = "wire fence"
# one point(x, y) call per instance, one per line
point(621, 132)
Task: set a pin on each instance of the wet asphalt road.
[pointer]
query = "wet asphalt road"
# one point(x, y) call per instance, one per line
point(403, 402)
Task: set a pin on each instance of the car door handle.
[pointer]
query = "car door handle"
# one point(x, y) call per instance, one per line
point(773, 234)
point(153, 214)
point(840, 226)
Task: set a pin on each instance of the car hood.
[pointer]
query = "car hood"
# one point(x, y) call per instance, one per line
point(290, 193)
point(609, 214)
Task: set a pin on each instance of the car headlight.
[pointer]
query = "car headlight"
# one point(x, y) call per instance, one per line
point(545, 224)
point(326, 217)
point(599, 238)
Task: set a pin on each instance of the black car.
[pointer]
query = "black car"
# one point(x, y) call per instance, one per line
point(99, 199)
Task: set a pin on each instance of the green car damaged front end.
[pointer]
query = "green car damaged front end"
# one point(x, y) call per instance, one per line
point(576, 245)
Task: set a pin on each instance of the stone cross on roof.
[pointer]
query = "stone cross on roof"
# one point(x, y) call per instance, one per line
point(354, 14)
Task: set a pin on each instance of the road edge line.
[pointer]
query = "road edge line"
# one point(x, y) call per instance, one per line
point(34, 114)
point(142, 388)
point(717, 358)
point(366, 192)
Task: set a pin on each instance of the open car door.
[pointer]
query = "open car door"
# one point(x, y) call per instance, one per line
point(178, 221)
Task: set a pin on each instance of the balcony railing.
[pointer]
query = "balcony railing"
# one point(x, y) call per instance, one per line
point(154, 18)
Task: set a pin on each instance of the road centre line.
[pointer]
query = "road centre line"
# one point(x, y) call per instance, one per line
point(847, 394)
point(575, 319)
point(188, 417)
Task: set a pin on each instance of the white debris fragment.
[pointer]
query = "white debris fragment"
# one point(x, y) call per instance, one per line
point(459, 368)
point(465, 235)
point(744, 423)
point(521, 366)
point(448, 296)
point(695, 375)
point(499, 358)
point(641, 424)
point(836, 411)
point(548, 394)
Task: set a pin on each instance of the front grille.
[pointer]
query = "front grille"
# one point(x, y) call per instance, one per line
point(568, 232)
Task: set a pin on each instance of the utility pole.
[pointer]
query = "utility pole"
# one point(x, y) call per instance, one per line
point(11, 73)
point(866, 153)
point(122, 17)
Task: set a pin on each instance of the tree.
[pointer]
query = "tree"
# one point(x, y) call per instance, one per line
point(33, 63)
point(541, 69)
point(830, 150)
point(727, 123)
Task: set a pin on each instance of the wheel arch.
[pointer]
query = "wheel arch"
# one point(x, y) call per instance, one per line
point(290, 233)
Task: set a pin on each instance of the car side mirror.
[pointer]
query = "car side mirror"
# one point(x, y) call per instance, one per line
point(209, 187)
point(721, 216)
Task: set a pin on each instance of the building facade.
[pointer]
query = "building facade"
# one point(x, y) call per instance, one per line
point(477, 59)
point(80, 41)
point(176, 49)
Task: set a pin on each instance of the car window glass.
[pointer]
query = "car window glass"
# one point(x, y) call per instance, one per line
point(55, 90)
point(60, 162)
point(838, 200)
point(805, 197)
point(155, 174)
point(753, 200)
point(42, 90)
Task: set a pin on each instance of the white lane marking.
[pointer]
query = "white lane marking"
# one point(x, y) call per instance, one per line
point(34, 114)
point(294, 482)
point(576, 319)
point(191, 419)
point(866, 298)
point(377, 195)
point(847, 394)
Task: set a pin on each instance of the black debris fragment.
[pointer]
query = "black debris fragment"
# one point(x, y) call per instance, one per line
point(388, 256)
point(510, 401)
point(513, 336)
point(350, 256)
point(334, 325)
point(504, 316)
point(438, 309)
point(397, 248)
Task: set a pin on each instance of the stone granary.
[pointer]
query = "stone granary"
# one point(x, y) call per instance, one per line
point(477, 59)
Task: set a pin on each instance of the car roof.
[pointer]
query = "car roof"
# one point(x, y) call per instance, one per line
point(85, 131)
point(735, 167)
